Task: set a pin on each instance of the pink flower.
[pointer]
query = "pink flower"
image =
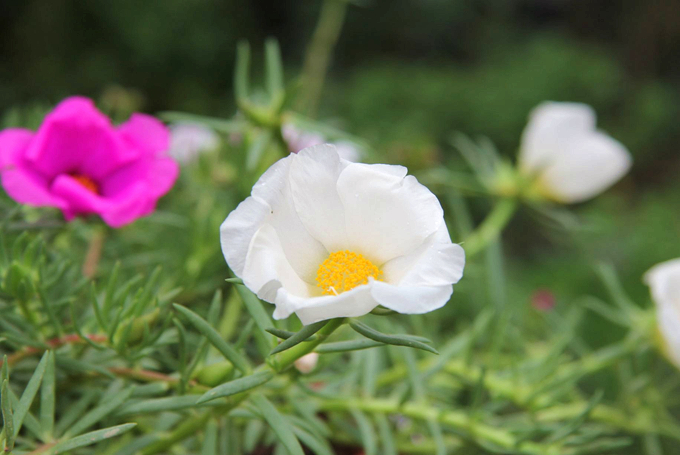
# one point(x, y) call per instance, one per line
point(79, 162)
point(543, 300)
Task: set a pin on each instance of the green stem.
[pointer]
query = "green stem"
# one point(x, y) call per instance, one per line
point(283, 360)
point(27, 312)
point(186, 429)
point(422, 445)
point(641, 423)
point(459, 421)
point(94, 252)
point(491, 227)
point(319, 52)
point(530, 396)
point(277, 362)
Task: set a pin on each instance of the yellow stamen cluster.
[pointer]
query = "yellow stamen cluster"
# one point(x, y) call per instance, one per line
point(345, 270)
point(87, 182)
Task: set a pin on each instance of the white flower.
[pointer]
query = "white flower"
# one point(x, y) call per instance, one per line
point(307, 363)
point(188, 140)
point(570, 160)
point(323, 238)
point(664, 283)
point(298, 140)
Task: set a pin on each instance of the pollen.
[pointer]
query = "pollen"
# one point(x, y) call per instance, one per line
point(345, 270)
point(86, 182)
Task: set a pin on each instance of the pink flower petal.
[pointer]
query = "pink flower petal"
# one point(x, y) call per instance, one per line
point(20, 182)
point(134, 203)
point(76, 138)
point(78, 198)
point(13, 141)
point(160, 174)
point(146, 133)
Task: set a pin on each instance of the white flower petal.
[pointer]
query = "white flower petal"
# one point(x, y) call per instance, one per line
point(267, 268)
point(593, 163)
point(271, 202)
point(550, 126)
point(664, 283)
point(238, 230)
point(353, 303)
point(669, 327)
point(436, 262)
point(386, 215)
point(314, 173)
point(411, 299)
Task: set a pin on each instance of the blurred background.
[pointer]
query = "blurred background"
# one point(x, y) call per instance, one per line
point(404, 75)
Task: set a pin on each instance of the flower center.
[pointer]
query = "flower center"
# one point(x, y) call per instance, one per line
point(87, 182)
point(345, 270)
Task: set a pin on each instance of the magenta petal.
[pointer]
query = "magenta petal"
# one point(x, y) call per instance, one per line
point(146, 133)
point(130, 205)
point(76, 138)
point(163, 174)
point(21, 183)
point(25, 187)
point(78, 198)
point(13, 141)
point(117, 211)
point(160, 174)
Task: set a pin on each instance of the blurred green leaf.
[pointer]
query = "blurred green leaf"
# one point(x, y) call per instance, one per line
point(215, 339)
point(104, 409)
point(48, 398)
point(373, 334)
point(303, 335)
point(368, 436)
point(91, 438)
point(278, 424)
point(29, 394)
point(237, 386)
point(7, 417)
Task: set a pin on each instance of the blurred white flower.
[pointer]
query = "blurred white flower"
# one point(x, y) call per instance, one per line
point(188, 140)
point(664, 283)
point(324, 238)
point(569, 159)
point(307, 363)
point(298, 140)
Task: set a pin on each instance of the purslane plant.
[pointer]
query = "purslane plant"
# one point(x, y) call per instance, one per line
point(178, 361)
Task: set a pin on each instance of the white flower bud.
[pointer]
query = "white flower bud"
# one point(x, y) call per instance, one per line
point(307, 363)
point(569, 160)
point(664, 283)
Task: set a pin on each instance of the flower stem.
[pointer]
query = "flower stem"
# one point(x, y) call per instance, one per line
point(94, 252)
point(280, 362)
point(491, 227)
point(319, 52)
point(189, 428)
point(460, 421)
point(53, 344)
point(536, 396)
